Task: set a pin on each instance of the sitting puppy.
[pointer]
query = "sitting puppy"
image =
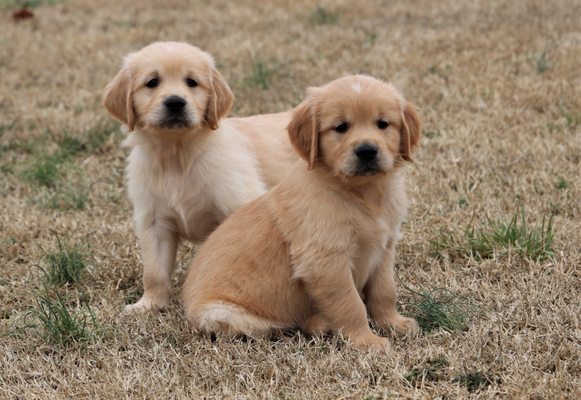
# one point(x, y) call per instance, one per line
point(187, 170)
point(317, 252)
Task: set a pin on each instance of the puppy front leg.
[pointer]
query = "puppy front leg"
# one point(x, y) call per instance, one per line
point(381, 296)
point(330, 286)
point(159, 247)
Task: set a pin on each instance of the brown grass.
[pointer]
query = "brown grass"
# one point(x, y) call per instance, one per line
point(499, 85)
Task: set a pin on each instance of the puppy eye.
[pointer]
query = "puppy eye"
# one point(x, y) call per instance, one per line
point(382, 124)
point(191, 82)
point(342, 127)
point(152, 83)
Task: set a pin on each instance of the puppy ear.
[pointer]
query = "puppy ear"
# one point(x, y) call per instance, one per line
point(220, 100)
point(410, 131)
point(117, 98)
point(303, 133)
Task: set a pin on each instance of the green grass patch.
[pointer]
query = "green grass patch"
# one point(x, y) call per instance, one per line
point(68, 197)
point(437, 370)
point(432, 371)
point(62, 324)
point(439, 308)
point(133, 296)
point(573, 119)
point(6, 169)
point(430, 134)
point(26, 3)
point(543, 64)
point(65, 265)
point(371, 38)
point(562, 184)
point(70, 192)
point(475, 381)
point(57, 172)
point(535, 243)
point(69, 146)
point(261, 75)
point(95, 137)
point(24, 146)
point(43, 170)
point(322, 16)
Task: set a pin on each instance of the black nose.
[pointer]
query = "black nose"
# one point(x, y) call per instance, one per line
point(174, 104)
point(366, 152)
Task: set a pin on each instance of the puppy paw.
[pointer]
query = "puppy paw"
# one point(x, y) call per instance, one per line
point(372, 343)
point(144, 305)
point(405, 325)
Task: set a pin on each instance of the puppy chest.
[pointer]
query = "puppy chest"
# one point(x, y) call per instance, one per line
point(370, 252)
point(195, 217)
point(188, 211)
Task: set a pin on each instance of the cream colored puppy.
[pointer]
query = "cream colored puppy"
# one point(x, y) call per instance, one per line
point(188, 169)
point(317, 251)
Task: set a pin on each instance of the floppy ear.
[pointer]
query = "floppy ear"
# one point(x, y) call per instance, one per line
point(117, 98)
point(303, 133)
point(410, 131)
point(220, 100)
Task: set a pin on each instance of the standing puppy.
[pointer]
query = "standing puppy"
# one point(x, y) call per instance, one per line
point(187, 170)
point(317, 252)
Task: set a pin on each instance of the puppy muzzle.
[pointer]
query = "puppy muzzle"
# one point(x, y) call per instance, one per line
point(175, 113)
point(367, 160)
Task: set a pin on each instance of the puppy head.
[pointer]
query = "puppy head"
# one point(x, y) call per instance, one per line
point(356, 126)
point(168, 87)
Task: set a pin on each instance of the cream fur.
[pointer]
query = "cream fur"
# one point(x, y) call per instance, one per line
point(184, 181)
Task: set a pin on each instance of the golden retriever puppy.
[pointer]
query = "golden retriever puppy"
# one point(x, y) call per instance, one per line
point(188, 169)
point(317, 251)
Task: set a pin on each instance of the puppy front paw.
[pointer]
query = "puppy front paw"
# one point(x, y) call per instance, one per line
point(403, 325)
point(371, 343)
point(146, 304)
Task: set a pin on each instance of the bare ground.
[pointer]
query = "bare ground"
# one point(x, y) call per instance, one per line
point(499, 87)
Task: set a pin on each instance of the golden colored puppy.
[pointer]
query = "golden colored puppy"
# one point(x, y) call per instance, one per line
point(317, 251)
point(188, 169)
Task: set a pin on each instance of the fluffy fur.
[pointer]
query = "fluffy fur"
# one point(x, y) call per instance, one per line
point(317, 251)
point(188, 168)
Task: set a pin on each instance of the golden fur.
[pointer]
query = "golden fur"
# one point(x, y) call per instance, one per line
point(187, 170)
point(317, 251)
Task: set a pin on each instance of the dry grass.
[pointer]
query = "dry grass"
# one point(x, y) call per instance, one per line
point(499, 86)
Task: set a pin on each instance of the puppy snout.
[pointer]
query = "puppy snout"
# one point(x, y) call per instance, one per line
point(366, 152)
point(174, 104)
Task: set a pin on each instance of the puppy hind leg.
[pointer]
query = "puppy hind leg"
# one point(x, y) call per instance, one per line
point(316, 325)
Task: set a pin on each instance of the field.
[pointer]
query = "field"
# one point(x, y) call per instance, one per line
point(491, 255)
